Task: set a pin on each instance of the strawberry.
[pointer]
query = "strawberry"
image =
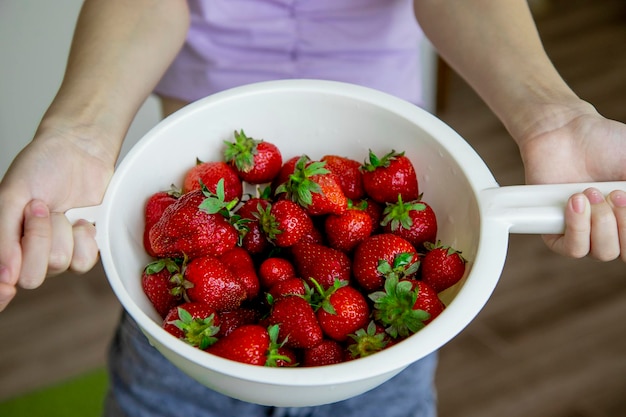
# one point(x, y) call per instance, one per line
point(320, 262)
point(155, 206)
point(342, 311)
point(251, 344)
point(284, 223)
point(287, 358)
point(193, 227)
point(346, 230)
point(313, 236)
point(285, 172)
point(405, 306)
point(209, 174)
point(427, 300)
point(327, 352)
point(251, 236)
point(382, 255)
point(387, 177)
point(367, 341)
point(314, 188)
point(214, 284)
point(256, 161)
point(163, 284)
point(254, 240)
point(348, 173)
point(373, 209)
point(195, 323)
point(290, 286)
point(415, 221)
point(231, 319)
point(240, 263)
point(273, 270)
point(299, 327)
point(442, 266)
point(250, 208)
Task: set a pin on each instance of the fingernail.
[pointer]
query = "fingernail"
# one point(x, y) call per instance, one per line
point(618, 198)
point(578, 204)
point(39, 209)
point(594, 196)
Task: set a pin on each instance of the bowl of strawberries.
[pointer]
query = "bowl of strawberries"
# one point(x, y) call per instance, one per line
point(300, 242)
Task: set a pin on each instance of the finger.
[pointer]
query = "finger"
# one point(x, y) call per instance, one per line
point(85, 253)
point(604, 234)
point(617, 200)
point(575, 240)
point(7, 292)
point(11, 219)
point(62, 244)
point(36, 244)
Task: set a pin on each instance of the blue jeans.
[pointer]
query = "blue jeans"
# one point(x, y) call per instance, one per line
point(145, 384)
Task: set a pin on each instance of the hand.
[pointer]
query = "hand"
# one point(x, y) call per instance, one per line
point(576, 144)
point(55, 172)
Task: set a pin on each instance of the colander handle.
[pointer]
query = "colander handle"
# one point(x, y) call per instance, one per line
point(89, 213)
point(535, 209)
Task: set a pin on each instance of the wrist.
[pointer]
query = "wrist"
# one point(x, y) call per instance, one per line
point(539, 110)
point(89, 135)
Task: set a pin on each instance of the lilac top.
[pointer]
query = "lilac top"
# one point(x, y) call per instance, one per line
point(233, 42)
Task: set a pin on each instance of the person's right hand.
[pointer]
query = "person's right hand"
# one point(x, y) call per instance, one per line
point(57, 171)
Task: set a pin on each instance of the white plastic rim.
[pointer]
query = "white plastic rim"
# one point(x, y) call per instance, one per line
point(475, 215)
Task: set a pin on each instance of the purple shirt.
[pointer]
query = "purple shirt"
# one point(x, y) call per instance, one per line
point(233, 42)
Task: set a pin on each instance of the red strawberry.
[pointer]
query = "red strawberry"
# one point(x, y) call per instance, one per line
point(251, 343)
point(284, 223)
point(381, 255)
point(290, 286)
point(209, 174)
point(405, 306)
point(252, 237)
point(273, 270)
point(240, 263)
point(320, 262)
point(299, 327)
point(188, 228)
point(343, 310)
point(163, 284)
point(387, 177)
point(214, 284)
point(415, 221)
point(314, 188)
point(231, 319)
point(250, 208)
point(288, 358)
point(375, 211)
point(195, 323)
point(285, 172)
point(348, 173)
point(327, 352)
point(442, 266)
point(314, 236)
point(256, 161)
point(346, 230)
point(427, 300)
point(155, 206)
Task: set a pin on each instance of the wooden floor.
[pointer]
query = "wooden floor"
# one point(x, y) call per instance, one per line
point(551, 342)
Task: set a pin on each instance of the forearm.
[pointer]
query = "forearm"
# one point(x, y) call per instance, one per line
point(120, 50)
point(495, 47)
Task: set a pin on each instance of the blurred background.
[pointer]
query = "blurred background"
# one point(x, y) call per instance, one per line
point(551, 340)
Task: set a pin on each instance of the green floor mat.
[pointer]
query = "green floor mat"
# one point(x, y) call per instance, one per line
point(81, 396)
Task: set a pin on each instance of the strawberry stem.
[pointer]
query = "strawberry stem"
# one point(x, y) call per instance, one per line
point(393, 308)
point(198, 332)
